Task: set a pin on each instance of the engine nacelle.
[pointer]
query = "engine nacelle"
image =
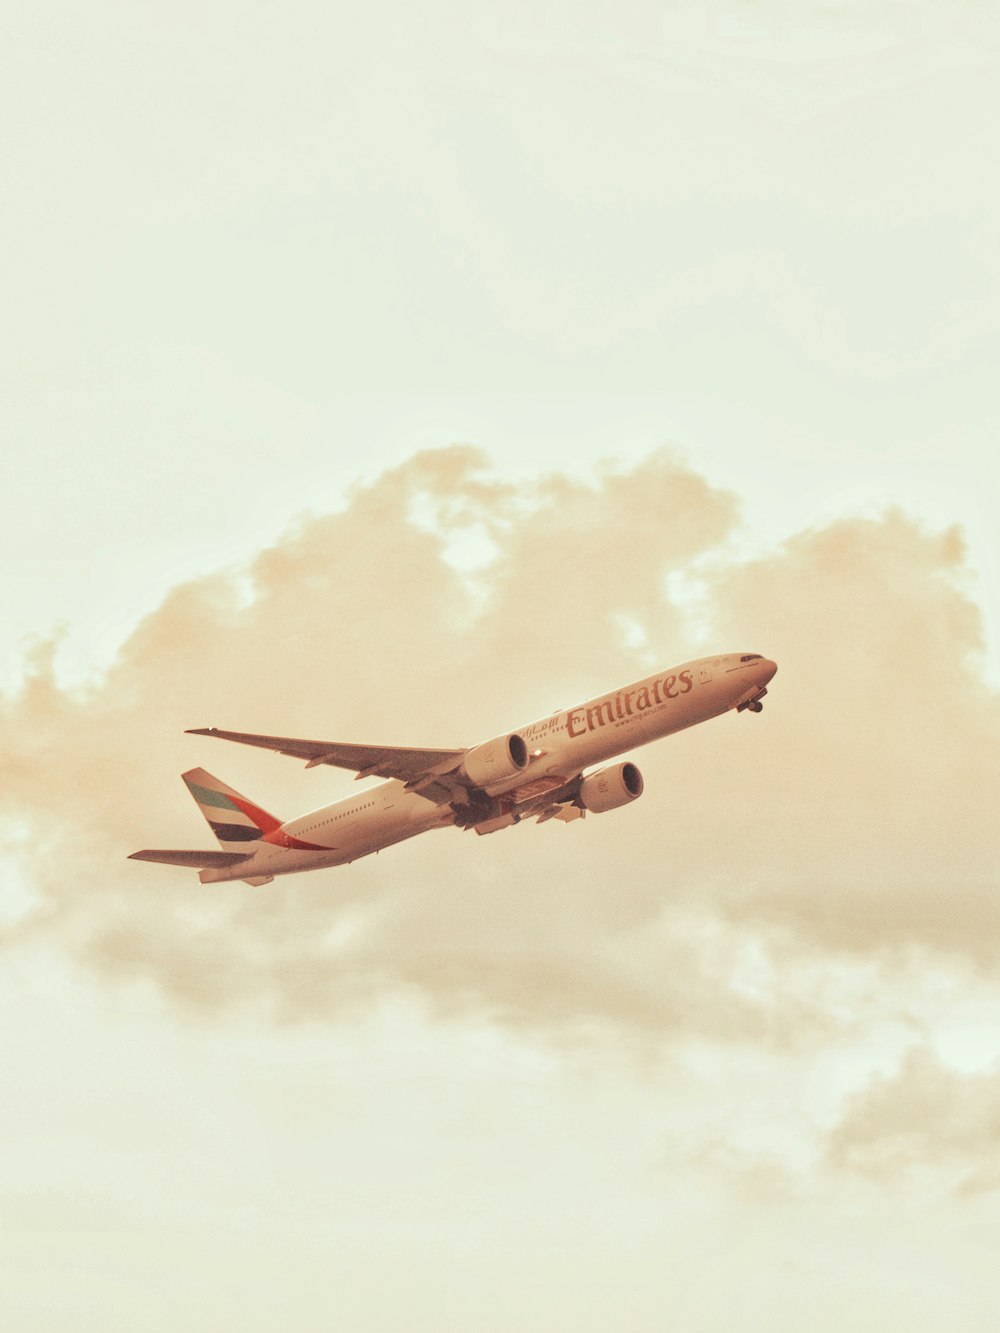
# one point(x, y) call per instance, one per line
point(495, 761)
point(609, 788)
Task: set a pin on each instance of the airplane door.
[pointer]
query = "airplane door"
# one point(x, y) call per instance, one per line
point(705, 674)
point(388, 798)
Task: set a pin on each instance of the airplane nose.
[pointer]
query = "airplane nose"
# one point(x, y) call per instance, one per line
point(770, 668)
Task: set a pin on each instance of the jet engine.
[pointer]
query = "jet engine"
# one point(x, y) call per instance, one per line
point(495, 761)
point(609, 788)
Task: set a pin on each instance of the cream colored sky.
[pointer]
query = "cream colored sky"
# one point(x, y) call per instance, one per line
point(727, 1056)
point(314, 241)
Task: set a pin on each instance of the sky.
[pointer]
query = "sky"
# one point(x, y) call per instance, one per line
point(399, 376)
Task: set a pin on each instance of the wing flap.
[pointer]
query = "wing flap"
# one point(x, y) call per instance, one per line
point(194, 860)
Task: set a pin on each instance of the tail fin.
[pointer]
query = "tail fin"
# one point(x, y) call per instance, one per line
point(235, 821)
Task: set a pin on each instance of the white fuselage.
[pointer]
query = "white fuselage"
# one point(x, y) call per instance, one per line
point(562, 744)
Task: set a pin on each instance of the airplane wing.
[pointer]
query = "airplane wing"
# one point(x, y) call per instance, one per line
point(550, 797)
point(565, 812)
point(386, 761)
point(432, 773)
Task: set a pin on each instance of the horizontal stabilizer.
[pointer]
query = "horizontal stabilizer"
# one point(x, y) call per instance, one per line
point(194, 860)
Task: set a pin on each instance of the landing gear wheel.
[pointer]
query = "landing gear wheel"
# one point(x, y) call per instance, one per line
point(756, 706)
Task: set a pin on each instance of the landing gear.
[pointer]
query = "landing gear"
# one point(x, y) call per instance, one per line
point(754, 704)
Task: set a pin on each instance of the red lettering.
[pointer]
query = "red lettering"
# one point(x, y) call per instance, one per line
point(605, 714)
point(589, 717)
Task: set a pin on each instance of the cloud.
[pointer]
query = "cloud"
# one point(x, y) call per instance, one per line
point(924, 1117)
point(851, 818)
point(881, 752)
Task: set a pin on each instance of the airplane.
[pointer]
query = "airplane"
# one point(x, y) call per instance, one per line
point(534, 772)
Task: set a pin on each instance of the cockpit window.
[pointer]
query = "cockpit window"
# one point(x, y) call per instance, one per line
point(752, 657)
